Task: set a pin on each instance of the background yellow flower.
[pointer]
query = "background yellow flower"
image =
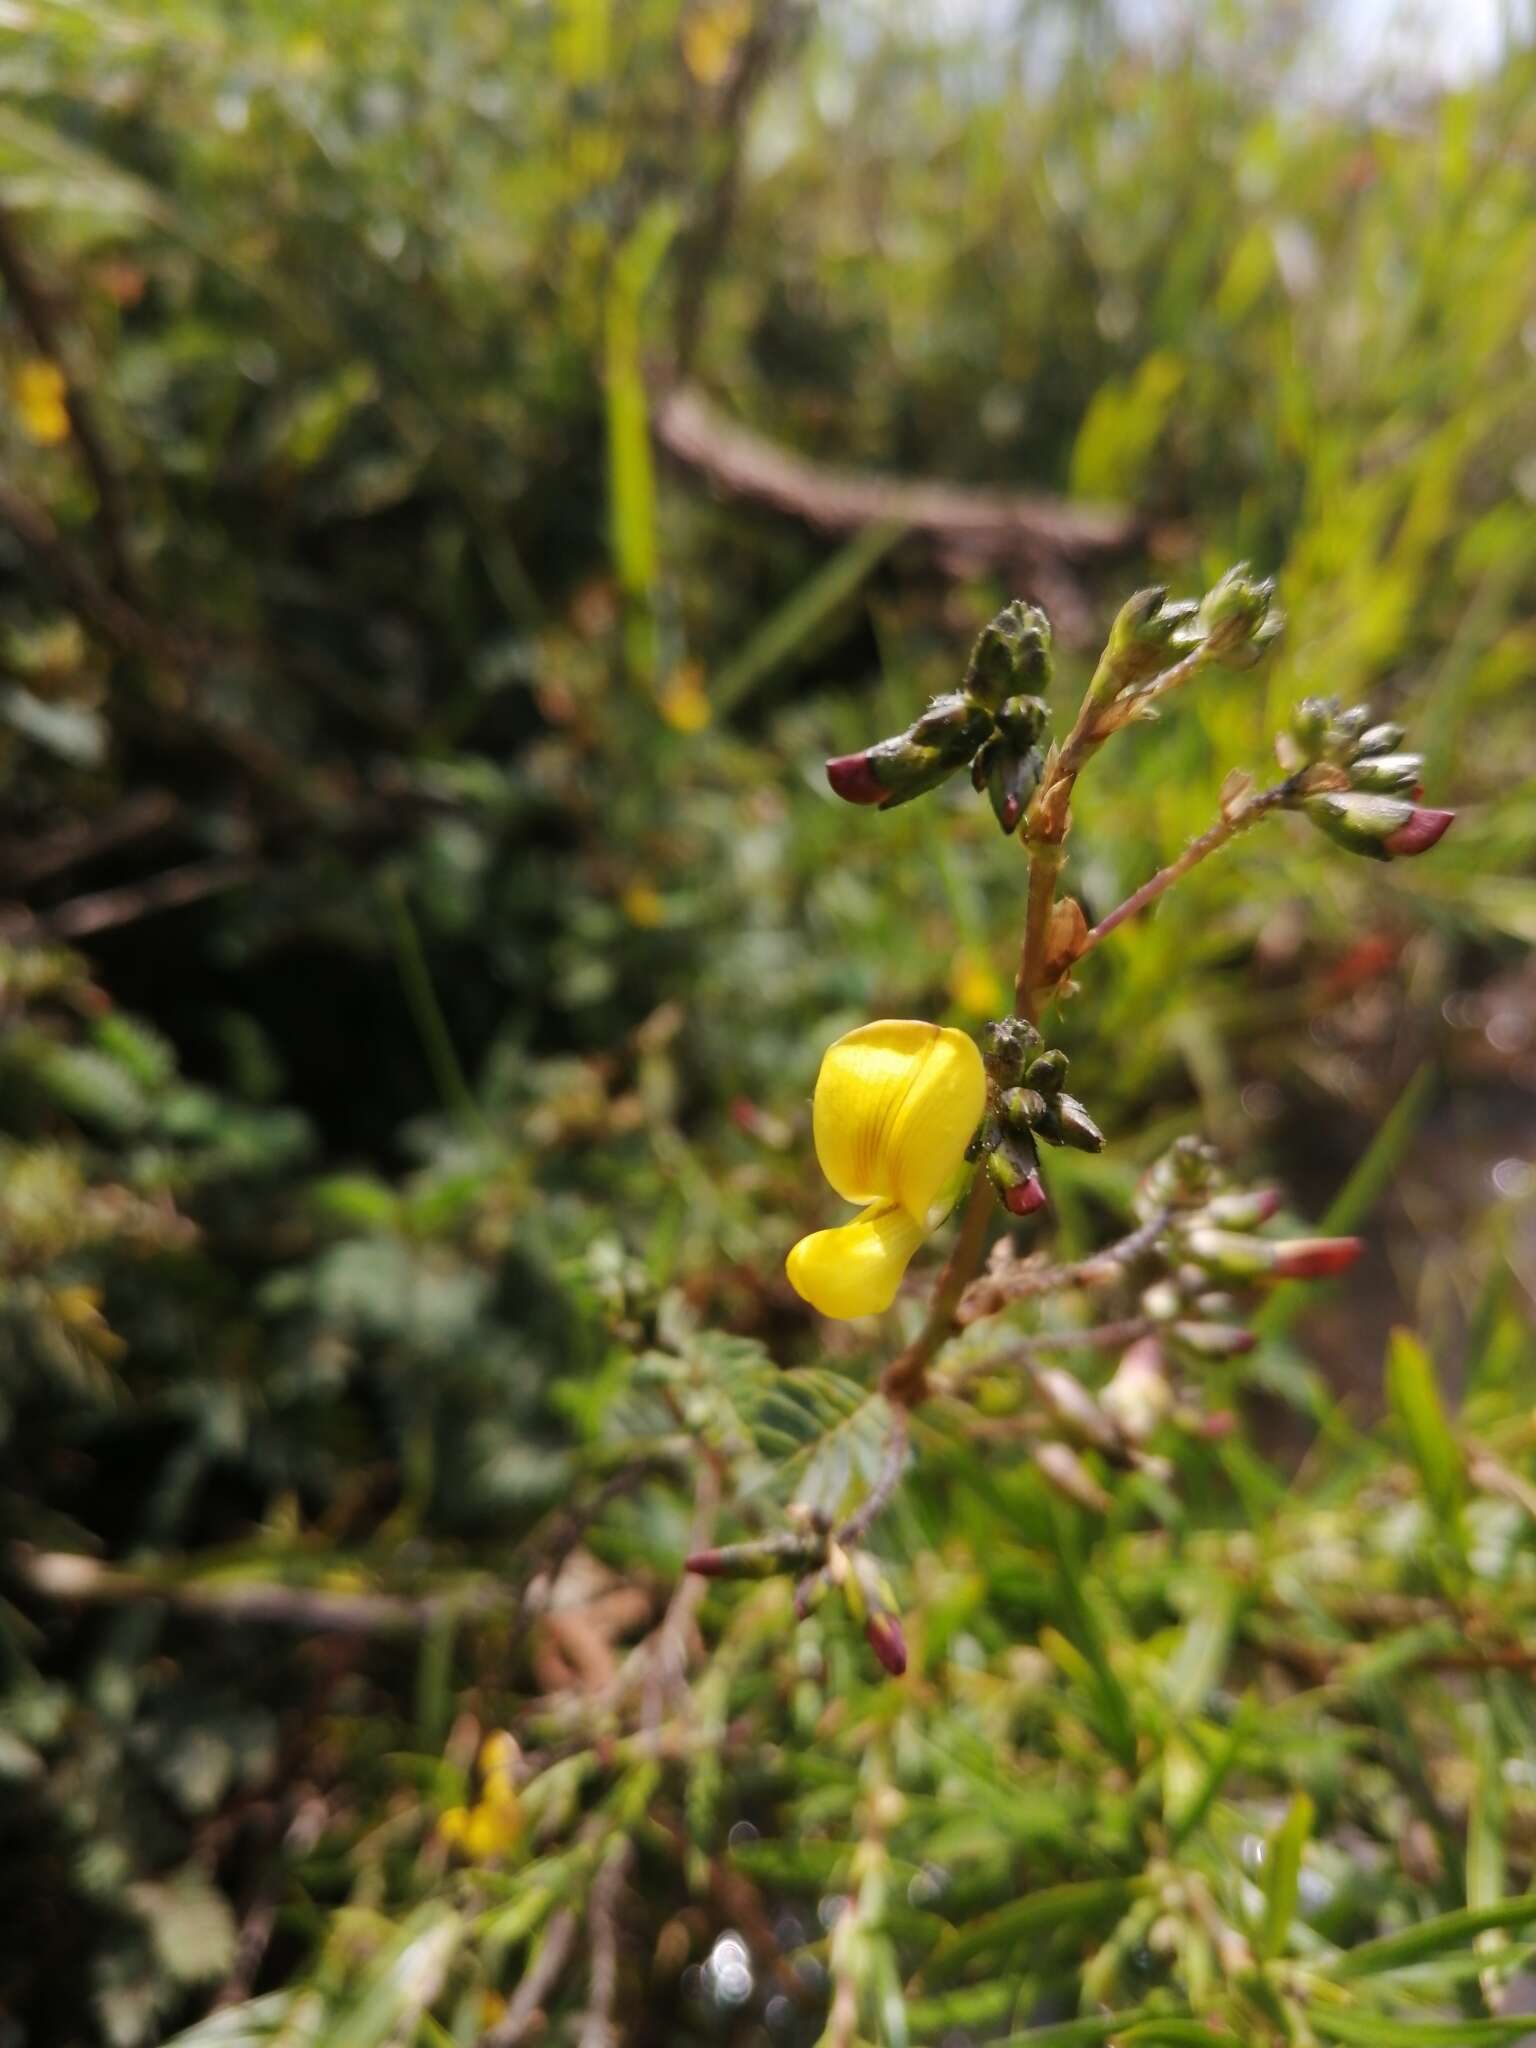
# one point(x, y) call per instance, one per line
point(37, 392)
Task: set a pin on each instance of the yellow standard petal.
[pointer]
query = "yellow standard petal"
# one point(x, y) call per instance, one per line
point(896, 1105)
point(855, 1271)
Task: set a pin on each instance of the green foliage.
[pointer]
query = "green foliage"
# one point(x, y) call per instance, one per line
point(425, 914)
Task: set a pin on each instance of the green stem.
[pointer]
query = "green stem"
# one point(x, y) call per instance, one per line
point(427, 1012)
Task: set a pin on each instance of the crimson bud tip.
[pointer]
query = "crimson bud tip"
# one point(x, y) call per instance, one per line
point(883, 1633)
point(1316, 1258)
point(1027, 1198)
point(853, 778)
point(1425, 828)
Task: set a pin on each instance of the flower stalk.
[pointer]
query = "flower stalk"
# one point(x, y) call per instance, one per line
point(900, 1105)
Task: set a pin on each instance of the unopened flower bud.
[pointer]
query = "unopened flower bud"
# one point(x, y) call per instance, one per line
point(1381, 739)
point(1065, 1470)
point(1072, 1404)
point(1425, 828)
point(1243, 1210)
point(1392, 774)
point(1213, 1340)
point(1359, 821)
point(1138, 1397)
point(1023, 720)
point(1143, 640)
point(894, 771)
point(1021, 1108)
point(1010, 776)
point(1077, 1127)
point(1214, 1306)
point(1048, 1072)
point(1006, 1046)
point(1012, 654)
point(1160, 1301)
point(883, 1633)
point(1236, 620)
point(1315, 1258)
point(753, 1560)
point(952, 726)
point(853, 778)
point(1012, 1170)
point(1230, 1254)
point(1184, 1177)
point(1310, 723)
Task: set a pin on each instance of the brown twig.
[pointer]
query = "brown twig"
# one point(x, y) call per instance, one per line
point(140, 816)
point(128, 632)
point(1017, 1280)
point(878, 1499)
point(1104, 711)
point(998, 524)
point(1100, 1337)
point(106, 909)
point(524, 2014)
point(107, 614)
point(665, 1651)
point(1243, 814)
point(904, 1380)
point(68, 1576)
point(251, 1946)
point(35, 307)
point(597, 2028)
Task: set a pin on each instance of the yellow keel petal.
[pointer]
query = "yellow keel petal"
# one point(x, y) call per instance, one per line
point(855, 1271)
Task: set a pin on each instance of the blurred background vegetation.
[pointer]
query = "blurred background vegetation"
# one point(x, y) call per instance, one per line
point(446, 518)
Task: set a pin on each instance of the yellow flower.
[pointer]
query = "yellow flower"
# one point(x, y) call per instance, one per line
point(711, 37)
point(974, 986)
point(642, 905)
point(37, 390)
point(683, 700)
point(896, 1105)
point(486, 1831)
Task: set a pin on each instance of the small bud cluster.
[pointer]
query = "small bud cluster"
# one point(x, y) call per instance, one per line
point(1231, 625)
point(1355, 782)
point(831, 1567)
point(865, 1591)
point(994, 721)
point(1198, 1263)
point(1115, 1423)
point(1236, 620)
point(1214, 1255)
point(1027, 1101)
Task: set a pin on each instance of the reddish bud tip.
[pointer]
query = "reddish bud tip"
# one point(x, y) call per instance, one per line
point(1423, 830)
point(1267, 1202)
point(1316, 1258)
point(1220, 1423)
point(709, 1564)
point(853, 778)
point(1026, 1198)
point(883, 1632)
